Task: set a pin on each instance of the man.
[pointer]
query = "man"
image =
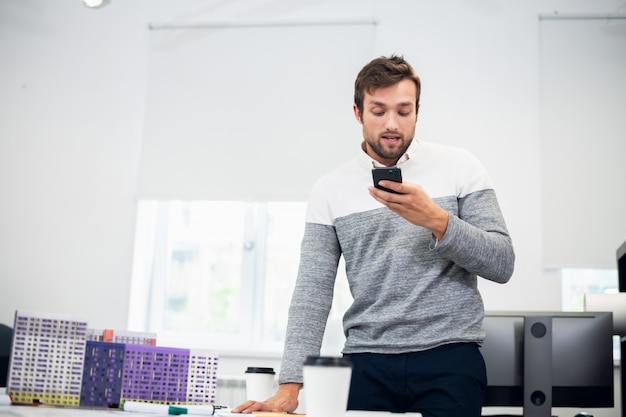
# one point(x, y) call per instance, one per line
point(412, 262)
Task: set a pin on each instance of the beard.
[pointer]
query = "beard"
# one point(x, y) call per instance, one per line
point(387, 152)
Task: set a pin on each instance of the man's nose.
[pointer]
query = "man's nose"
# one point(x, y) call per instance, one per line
point(391, 122)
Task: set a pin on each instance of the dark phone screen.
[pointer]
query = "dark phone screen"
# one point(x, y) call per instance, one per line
point(386, 173)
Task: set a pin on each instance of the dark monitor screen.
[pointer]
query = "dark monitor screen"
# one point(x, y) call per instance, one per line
point(582, 358)
point(621, 267)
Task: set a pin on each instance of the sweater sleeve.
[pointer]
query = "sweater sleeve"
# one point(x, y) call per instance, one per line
point(477, 239)
point(311, 300)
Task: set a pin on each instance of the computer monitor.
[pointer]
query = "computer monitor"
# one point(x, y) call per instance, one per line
point(621, 267)
point(580, 363)
point(621, 276)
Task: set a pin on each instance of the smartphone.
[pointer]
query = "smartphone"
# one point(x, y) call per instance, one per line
point(386, 173)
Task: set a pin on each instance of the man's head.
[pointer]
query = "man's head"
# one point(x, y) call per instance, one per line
point(384, 72)
point(386, 101)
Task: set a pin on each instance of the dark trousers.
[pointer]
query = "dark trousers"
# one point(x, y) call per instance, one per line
point(448, 381)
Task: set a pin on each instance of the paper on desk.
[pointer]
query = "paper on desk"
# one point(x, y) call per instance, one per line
point(227, 413)
point(356, 413)
point(5, 399)
point(349, 413)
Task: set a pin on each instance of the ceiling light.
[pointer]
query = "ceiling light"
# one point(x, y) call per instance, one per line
point(95, 3)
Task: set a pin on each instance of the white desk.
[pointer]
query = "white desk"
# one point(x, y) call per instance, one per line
point(7, 410)
point(42, 411)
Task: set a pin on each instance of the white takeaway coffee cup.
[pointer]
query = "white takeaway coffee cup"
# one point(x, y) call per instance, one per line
point(259, 383)
point(326, 385)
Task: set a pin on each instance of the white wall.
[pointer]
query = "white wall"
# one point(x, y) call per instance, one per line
point(72, 90)
point(71, 103)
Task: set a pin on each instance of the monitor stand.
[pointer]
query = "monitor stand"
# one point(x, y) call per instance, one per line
point(622, 372)
point(538, 366)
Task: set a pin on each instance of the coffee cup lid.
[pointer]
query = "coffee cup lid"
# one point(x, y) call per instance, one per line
point(326, 361)
point(258, 370)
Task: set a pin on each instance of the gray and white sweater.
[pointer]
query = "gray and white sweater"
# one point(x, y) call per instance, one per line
point(411, 293)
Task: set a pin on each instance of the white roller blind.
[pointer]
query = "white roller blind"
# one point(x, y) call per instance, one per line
point(583, 117)
point(249, 112)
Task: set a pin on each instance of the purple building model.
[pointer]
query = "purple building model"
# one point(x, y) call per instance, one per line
point(102, 374)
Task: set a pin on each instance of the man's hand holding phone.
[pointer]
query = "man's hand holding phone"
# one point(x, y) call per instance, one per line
point(413, 203)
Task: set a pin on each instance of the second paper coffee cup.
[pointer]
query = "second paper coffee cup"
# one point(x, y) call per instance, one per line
point(326, 385)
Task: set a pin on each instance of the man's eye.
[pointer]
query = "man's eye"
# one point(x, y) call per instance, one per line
point(404, 114)
point(378, 113)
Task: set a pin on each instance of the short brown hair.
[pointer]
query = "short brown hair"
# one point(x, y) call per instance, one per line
point(384, 72)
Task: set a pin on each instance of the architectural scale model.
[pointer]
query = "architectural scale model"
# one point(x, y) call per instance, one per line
point(46, 362)
point(121, 336)
point(57, 360)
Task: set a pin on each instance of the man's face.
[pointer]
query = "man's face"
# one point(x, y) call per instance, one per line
point(388, 119)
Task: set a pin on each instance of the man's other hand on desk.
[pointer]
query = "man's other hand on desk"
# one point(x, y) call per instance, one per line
point(285, 399)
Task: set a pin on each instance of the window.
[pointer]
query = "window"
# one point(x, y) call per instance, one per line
point(576, 282)
point(218, 274)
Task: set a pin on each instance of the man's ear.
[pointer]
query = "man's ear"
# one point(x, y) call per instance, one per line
point(357, 114)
